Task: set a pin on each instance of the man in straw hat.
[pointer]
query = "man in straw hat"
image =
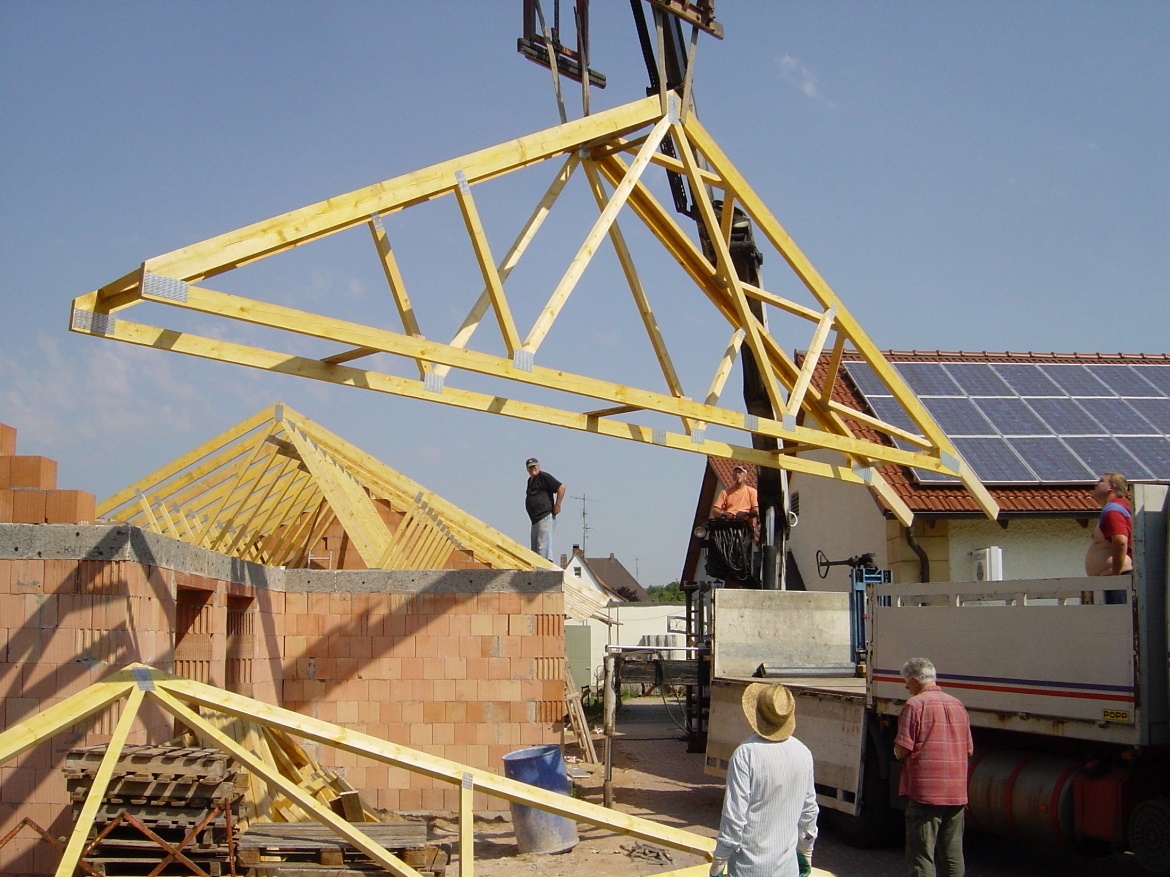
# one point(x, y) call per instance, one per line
point(770, 808)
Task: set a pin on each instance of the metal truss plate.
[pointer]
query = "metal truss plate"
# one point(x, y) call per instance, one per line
point(98, 324)
point(164, 287)
point(142, 678)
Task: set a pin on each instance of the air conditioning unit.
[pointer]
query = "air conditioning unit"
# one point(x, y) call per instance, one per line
point(988, 564)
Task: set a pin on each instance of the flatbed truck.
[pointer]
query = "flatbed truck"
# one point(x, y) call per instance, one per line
point(1065, 681)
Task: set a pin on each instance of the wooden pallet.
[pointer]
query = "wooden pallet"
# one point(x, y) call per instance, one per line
point(314, 850)
point(166, 810)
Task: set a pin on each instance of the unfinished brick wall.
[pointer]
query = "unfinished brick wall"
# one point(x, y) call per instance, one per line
point(462, 664)
point(28, 489)
point(467, 676)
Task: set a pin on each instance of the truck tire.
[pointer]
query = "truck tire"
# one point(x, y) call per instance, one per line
point(1149, 834)
point(877, 824)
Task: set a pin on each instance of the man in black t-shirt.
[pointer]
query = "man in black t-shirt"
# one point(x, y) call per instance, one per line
point(542, 500)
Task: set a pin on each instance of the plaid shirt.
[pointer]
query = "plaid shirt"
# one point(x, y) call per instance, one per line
point(935, 728)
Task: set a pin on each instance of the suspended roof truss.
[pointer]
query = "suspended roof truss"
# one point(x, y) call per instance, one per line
point(267, 489)
point(617, 154)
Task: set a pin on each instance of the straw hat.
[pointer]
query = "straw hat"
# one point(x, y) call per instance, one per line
point(770, 710)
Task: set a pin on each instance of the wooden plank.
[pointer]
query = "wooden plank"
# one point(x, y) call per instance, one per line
point(390, 268)
point(28, 733)
point(600, 228)
point(297, 227)
point(811, 357)
point(278, 317)
point(309, 835)
point(487, 265)
point(348, 805)
point(734, 288)
point(101, 779)
point(512, 257)
point(349, 502)
point(626, 260)
point(467, 826)
point(223, 351)
point(723, 370)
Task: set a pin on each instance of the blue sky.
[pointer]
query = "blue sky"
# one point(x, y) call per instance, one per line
point(991, 176)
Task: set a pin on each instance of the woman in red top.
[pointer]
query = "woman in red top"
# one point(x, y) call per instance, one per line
point(1111, 550)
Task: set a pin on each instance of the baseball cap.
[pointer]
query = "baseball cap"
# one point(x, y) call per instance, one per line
point(738, 468)
point(531, 461)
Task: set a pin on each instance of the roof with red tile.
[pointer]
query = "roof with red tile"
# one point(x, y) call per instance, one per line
point(945, 500)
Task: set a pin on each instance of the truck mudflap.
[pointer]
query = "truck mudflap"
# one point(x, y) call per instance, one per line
point(830, 723)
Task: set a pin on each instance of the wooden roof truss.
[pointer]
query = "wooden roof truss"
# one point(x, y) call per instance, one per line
point(204, 709)
point(267, 489)
point(616, 151)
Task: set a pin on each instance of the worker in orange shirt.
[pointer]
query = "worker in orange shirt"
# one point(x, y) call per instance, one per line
point(740, 501)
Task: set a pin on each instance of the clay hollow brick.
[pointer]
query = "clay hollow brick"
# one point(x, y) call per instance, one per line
point(36, 472)
point(7, 440)
point(70, 507)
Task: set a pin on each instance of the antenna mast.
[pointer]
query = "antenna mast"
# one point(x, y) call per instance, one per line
point(585, 528)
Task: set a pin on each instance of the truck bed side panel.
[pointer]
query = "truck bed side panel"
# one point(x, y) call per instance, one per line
point(1016, 648)
point(795, 628)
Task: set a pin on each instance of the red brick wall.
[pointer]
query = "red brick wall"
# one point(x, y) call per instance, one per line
point(468, 677)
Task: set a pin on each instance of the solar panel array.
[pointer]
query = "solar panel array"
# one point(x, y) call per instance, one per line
point(1029, 423)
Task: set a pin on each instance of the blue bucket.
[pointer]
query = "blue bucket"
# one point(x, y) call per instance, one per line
point(536, 830)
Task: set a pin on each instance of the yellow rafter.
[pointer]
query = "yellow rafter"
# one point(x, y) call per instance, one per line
point(271, 487)
point(619, 147)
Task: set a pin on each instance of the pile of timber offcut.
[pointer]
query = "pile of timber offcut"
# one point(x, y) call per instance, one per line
point(310, 850)
point(261, 803)
point(164, 805)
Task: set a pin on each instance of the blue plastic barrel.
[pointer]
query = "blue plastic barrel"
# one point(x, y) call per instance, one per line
point(536, 830)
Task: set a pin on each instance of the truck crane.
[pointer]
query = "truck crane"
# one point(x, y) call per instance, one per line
point(667, 61)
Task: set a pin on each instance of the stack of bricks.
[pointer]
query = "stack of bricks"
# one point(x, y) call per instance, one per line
point(28, 489)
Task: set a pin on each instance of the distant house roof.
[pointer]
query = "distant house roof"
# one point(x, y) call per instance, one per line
point(613, 576)
point(1044, 444)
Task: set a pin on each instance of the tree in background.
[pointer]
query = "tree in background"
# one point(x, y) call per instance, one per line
point(671, 593)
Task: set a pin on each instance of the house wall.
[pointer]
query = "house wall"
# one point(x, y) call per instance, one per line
point(1032, 548)
point(843, 520)
point(461, 664)
point(932, 536)
point(840, 519)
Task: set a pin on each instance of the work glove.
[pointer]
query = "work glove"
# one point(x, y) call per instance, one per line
point(718, 866)
point(804, 860)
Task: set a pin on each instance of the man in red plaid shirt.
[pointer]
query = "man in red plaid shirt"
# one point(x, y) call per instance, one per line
point(933, 744)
